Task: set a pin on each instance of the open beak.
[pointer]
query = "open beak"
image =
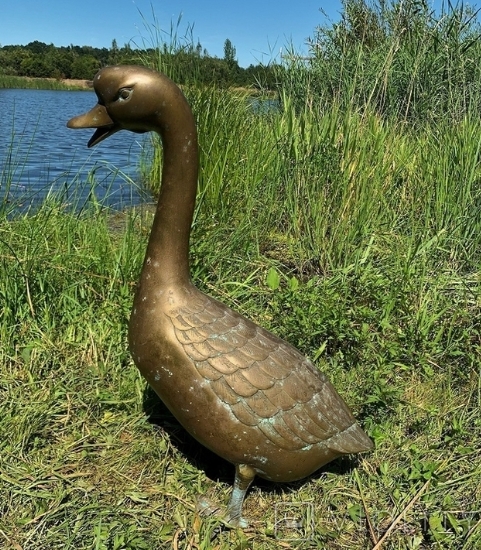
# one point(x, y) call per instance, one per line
point(97, 118)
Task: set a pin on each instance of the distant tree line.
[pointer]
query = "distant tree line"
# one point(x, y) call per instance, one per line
point(189, 64)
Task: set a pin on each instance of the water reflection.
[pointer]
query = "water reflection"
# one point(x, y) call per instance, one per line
point(40, 156)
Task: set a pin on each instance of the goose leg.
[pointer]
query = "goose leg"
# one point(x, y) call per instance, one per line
point(244, 475)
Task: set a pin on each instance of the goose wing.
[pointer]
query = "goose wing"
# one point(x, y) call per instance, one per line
point(266, 382)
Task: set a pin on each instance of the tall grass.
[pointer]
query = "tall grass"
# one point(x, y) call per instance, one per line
point(401, 59)
point(348, 229)
point(338, 187)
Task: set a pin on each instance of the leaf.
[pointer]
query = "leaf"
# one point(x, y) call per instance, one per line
point(273, 279)
point(355, 512)
point(293, 284)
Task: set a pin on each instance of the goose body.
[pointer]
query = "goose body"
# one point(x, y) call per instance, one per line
point(239, 390)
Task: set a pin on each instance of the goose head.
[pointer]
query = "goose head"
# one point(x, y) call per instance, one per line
point(139, 99)
point(129, 98)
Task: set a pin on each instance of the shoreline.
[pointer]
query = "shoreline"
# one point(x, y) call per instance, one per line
point(30, 82)
point(87, 84)
point(14, 81)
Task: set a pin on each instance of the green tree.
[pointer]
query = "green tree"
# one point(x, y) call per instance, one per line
point(85, 66)
point(35, 66)
point(114, 53)
point(37, 47)
point(229, 53)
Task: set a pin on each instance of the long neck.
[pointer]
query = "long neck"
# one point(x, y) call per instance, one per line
point(168, 247)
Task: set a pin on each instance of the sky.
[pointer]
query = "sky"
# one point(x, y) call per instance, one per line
point(259, 30)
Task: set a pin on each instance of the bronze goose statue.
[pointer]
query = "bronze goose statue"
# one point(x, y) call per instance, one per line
point(242, 392)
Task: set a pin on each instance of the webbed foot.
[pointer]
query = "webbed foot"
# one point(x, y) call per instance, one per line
point(232, 517)
point(207, 508)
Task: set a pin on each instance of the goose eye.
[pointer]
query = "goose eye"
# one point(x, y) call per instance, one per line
point(124, 94)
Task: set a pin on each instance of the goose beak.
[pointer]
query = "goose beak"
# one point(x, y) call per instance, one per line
point(97, 118)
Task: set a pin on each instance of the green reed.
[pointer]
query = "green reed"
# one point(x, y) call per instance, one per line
point(401, 59)
point(333, 188)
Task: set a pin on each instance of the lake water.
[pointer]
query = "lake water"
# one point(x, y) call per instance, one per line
point(39, 155)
